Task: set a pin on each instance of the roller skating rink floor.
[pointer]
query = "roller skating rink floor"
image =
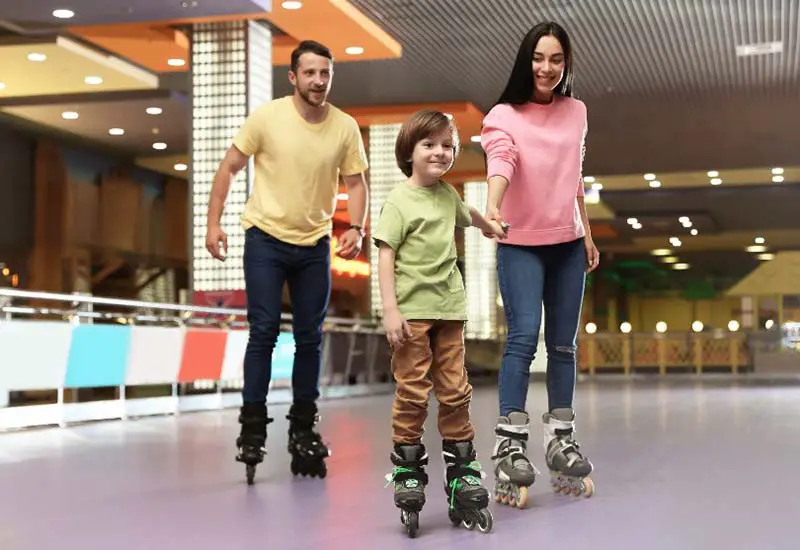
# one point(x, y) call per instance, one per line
point(679, 464)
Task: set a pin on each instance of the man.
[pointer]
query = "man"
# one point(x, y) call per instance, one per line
point(301, 145)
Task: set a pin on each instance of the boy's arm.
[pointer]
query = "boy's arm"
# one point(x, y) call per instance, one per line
point(386, 255)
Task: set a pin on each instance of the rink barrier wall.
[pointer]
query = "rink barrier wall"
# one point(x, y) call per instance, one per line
point(44, 348)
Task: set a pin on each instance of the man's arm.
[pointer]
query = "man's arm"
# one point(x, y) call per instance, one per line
point(231, 165)
point(358, 194)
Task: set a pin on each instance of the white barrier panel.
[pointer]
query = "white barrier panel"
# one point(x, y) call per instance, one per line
point(33, 354)
point(233, 363)
point(155, 355)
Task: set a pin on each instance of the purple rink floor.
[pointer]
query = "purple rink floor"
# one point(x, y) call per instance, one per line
point(678, 465)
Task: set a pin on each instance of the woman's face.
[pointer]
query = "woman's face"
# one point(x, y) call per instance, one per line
point(548, 66)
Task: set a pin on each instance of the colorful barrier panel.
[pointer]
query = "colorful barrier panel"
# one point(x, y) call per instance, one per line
point(41, 355)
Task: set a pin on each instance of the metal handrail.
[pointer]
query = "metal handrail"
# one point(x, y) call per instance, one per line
point(139, 304)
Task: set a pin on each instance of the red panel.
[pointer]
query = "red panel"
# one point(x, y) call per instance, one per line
point(203, 353)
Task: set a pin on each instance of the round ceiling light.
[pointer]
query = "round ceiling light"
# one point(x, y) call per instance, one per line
point(116, 131)
point(176, 62)
point(154, 110)
point(64, 14)
point(159, 146)
point(93, 80)
point(36, 57)
point(180, 167)
point(69, 115)
point(291, 5)
point(354, 50)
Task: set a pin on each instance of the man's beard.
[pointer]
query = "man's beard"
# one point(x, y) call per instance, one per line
point(306, 95)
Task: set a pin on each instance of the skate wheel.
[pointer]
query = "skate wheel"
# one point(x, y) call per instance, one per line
point(588, 487)
point(522, 499)
point(250, 472)
point(412, 523)
point(485, 521)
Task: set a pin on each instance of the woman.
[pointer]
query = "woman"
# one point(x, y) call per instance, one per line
point(534, 139)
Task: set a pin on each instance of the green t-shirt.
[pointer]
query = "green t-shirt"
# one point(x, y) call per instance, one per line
point(419, 224)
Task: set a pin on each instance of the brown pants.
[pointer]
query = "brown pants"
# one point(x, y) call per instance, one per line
point(432, 359)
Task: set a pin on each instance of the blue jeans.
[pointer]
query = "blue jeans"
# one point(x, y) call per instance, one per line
point(529, 277)
point(268, 264)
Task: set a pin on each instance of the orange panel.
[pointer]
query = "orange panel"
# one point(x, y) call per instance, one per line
point(603, 231)
point(203, 353)
point(467, 116)
point(147, 45)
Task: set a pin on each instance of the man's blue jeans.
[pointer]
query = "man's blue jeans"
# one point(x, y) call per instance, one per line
point(268, 264)
point(529, 277)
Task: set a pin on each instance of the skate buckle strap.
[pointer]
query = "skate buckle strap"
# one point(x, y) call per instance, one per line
point(401, 475)
point(512, 432)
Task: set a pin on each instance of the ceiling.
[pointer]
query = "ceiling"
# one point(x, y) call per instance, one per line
point(666, 91)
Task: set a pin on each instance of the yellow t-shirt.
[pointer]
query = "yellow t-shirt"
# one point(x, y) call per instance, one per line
point(297, 167)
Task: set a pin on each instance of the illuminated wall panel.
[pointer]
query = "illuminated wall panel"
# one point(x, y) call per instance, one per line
point(383, 176)
point(231, 67)
point(480, 277)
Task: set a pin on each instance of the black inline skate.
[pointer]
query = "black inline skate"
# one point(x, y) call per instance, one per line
point(409, 480)
point(513, 472)
point(569, 469)
point(468, 499)
point(305, 444)
point(252, 440)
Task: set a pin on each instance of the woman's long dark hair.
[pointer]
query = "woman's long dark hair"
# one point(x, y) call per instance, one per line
point(519, 89)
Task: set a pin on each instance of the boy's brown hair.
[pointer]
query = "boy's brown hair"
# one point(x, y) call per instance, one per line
point(419, 126)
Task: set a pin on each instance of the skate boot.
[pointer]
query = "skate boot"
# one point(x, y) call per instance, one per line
point(409, 480)
point(305, 444)
point(252, 439)
point(513, 472)
point(468, 499)
point(569, 469)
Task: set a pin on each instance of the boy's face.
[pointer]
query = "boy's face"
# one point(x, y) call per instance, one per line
point(433, 156)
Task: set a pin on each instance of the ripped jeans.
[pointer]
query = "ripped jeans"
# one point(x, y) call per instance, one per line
point(532, 277)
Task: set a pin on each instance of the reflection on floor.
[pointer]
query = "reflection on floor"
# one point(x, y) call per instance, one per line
point(679, 465)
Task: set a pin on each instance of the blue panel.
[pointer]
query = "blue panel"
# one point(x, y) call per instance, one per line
point(283, 357)
point(98, 356)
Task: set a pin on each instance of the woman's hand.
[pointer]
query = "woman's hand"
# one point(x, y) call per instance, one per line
point(592, 255)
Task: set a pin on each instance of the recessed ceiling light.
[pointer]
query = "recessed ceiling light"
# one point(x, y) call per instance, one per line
point(713, 174)
point(176, 62)
point(153, 110)
point(661, 252)
point(777, 179)
point(683, 219)
point(589, 179)
point(680, 267)
point(670, 260)
point(475, 139)
point(649, 177)
point(759, 240)
point(777, 171)
point(767, 256)
point(693, 232)
point(291, 5)
point(354, 50)
point(756, 248)
point(716, 181)
point(159, 146)
point(655, 184)
point(64, 14)
point(93, 80)
point(636, 226)
point(116, 131)
point(69, 115)
point(180, 167)
point(35, 56)
point(760, 48)
point(597, 186)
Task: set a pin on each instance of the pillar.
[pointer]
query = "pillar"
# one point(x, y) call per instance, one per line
point(480, 271)
point(231, 75)
point(383, 176)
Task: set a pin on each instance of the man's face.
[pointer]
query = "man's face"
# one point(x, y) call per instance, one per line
point(313, 78)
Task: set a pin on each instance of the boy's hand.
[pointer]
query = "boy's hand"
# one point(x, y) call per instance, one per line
point(499, 230)
point(396, 327)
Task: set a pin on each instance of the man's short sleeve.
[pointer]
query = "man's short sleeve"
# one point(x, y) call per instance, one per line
point(390, 229)
point(248, 140)
point(354, 160)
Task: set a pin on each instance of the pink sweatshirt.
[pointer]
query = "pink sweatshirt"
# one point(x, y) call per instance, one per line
point(539, 149)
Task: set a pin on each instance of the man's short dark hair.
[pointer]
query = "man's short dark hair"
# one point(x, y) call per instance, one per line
point(309, 46)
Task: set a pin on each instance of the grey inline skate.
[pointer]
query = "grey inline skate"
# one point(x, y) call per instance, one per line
point(409, 480)
point(569, 469)
point(252, 439)
point(513, 472)
point(305, 444)
point(467, 498)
